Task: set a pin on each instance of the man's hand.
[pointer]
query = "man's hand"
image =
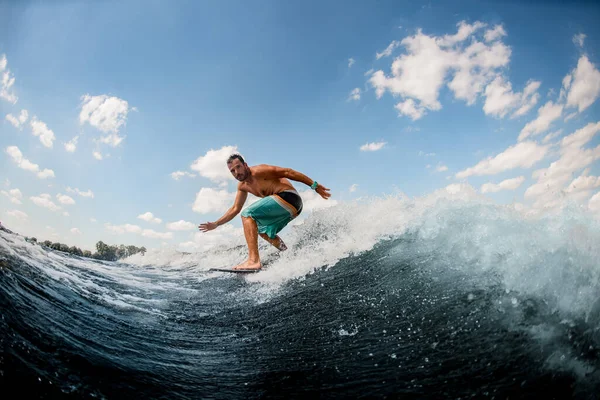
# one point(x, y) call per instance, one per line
point(208, 226)
point(323, 191)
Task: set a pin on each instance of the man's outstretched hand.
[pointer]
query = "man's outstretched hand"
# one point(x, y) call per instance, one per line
point(208, 226)
point(323, 191)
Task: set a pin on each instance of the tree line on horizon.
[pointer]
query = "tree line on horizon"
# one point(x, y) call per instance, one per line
point(103, 251)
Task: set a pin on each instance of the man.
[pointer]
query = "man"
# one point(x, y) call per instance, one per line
point(279, 205)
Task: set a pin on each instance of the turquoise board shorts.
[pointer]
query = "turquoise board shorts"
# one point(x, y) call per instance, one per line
point(273, 213)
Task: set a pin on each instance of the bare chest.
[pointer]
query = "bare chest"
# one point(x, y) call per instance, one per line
point(266, 187)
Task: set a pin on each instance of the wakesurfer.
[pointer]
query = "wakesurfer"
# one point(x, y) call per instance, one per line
point(280, 203)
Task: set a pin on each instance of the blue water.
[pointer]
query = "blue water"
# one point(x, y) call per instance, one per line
point(448, 296)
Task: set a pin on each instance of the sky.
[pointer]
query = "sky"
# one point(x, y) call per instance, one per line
point(117, 117)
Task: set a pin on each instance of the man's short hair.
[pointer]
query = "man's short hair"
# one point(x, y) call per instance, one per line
point(234, 156)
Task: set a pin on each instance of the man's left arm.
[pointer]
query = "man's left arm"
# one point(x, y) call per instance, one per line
point(271, 171)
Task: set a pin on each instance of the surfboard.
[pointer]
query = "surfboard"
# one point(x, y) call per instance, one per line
point(266, 262)
point(237, 271)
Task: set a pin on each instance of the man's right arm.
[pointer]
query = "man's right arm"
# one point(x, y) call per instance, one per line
point(240, 199)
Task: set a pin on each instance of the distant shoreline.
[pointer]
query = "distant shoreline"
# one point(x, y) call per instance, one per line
point(103, 251)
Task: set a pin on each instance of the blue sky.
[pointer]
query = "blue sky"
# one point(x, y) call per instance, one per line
point(102, 103)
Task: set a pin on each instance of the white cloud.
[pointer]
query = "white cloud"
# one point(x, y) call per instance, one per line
point(583, 183)
point(422, 153)
point(581, 136)
point(112, 139)
point(181, 225)
point(552, 135)
point(372, 146)
point(501, 100)
point(410, 109)
point(23, 163)
point(420, 73)
point(570, 116)
point(213, 165)
point(594, 203)
point(20, 215)
point(8, 80)
point(88, 193)
point(583, 85)
point(93, 220)
point(105, 113)
point(122, 229)
point(441, 168)
point(547, 114)
point(211, 200)
point(353, 187)
point(44, 200)
point(351, 62)
point(75, 231)
point(507, 184)
point(354, 94)
point(178, 174)
point(528, 98)
point(551, 181)
point(410, 77)
point(39, 128)
point(14, 195)
point(64, 199)
point(71, 145)
point(523, 155)
point(388, 50)
point(97, 155)
point(496, 33)
point(46, 173)
point(464, 31)
point(19, 121)
point(566, 83)
point(157, 235)
point(578, 39)
point(149, 217)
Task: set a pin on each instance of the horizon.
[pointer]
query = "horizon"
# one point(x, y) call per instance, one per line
point(117, 118)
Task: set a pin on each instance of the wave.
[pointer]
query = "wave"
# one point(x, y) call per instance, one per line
point(380, 296)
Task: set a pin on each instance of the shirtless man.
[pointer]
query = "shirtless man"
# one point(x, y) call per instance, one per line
point(279, 205)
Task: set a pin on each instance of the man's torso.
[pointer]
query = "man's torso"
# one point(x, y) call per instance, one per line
point(261, 187)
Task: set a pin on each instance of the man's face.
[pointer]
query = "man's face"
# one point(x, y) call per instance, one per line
point(238, 169)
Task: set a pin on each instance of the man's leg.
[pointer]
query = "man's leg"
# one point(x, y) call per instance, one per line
point(251, 234)
point(277, 242)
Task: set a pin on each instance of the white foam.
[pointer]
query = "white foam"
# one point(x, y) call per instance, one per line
point(549, 256)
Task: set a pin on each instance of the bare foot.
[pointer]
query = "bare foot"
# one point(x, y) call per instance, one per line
point(281, 246)
point(248, 265)
point(276, 242)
